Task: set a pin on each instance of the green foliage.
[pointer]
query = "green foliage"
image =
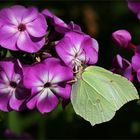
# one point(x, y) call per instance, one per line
point(99, 93)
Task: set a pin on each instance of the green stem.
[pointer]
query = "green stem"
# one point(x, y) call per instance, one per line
point(14, 122)
point(42, 129)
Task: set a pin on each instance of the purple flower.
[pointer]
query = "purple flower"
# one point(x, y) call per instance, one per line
point(121, 38)
point(47, 81)
point(123, 67)
point(22, 29)
point(9, 134)
point(77, 49)
point(12, 91)
point(136, 62)
point(59, 24)
point(134, 6)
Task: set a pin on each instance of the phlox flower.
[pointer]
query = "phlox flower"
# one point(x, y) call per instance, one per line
point(48, 82)
point(77, 49)
point(22, 29)
point(123, 67)
point(12, 91)
point(136, 62)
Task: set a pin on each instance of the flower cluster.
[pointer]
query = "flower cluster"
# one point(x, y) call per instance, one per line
point(59, 51)
point(123, 39)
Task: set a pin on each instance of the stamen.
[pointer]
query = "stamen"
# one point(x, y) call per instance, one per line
point(21, 27)
point(13, 84)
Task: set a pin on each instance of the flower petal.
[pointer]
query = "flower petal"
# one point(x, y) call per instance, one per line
point(63, 91)
point(4, 99)
point(76, 39)
point(14, 103)
point(57, 71)
point(47, 101)
point(34, 80)
point(32, 102)
point(37, 27)
point(134, 6)
point(18, 12)
point(138, 75)
point(30, 14)
point(9, 36)
point(66, 51)
point(121, 38)
point(136, 61)
point(25, 43)
point(91, 55)
point(60, 25)
point(7, 16)
point(7, 70)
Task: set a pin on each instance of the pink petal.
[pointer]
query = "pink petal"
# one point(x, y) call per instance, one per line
point(76, 39)
point(89, 49)
point(7, 16)
point(138, 75)
point(14, 103)
point(25, 43)
point(32, 102)
point(8, 37)
point(66, 51)
point(136, 61)
point(47, 102)
point(63, 91)
point(38, 27)
point(30, 14)
point(4, 99)
point(18, 12)
point(57, 71)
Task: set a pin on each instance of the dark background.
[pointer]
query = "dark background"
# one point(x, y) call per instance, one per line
point(98, 18)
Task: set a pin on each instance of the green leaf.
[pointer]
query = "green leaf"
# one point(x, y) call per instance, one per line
point(99, 93)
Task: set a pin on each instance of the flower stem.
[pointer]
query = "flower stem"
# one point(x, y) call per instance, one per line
point(13, 122)
point(42, 129)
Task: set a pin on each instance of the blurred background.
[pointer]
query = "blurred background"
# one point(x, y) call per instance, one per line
point(98, 18)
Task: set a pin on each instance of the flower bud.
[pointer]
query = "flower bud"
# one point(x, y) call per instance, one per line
point(121, 38)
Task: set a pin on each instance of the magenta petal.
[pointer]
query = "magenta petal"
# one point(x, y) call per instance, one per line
point(7, 69)
point(59, 72)
point(9, 36)
point(77, 48)
point(60, 25)
point(38, 27)
point(18, 12)
point(14, 103)
point(76, 38)
point(90, 46)
point(47, 13)
point(63, 91)
point(30, 14)
point(138, 75)
point(134, 6)
point(123, 67)
point(7, 16)
point(136, 61)
point(117, 62)
point(34, 80)
point(66, 51)
point(32, 102)
point(121, 38)
point(47, 101)
point(4, 99)
point(128, 73)
point(25, 43)
point(74, 27)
